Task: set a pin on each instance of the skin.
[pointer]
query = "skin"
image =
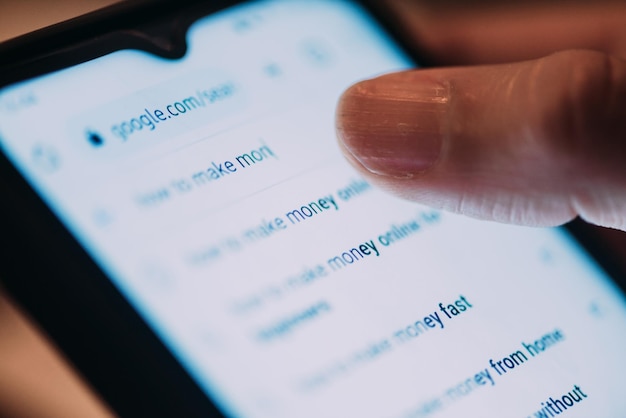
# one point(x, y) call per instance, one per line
point(536, 141)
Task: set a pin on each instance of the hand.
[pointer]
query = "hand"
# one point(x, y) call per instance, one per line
point(536, 142)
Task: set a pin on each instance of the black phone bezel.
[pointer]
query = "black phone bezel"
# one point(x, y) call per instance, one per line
point(52, 276)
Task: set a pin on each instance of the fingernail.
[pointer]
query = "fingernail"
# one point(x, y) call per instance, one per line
point(393, 125)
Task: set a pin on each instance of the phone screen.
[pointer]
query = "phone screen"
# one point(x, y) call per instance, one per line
point(212, 193)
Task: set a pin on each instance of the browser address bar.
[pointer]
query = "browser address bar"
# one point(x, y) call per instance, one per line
point(163, 111)
point(151, 117)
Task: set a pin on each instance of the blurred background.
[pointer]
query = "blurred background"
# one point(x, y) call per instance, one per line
point(35, 379)
point(22, 16)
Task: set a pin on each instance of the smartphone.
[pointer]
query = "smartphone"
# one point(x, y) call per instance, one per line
point(178, 217)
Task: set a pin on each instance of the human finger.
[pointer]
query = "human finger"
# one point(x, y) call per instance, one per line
point(537, 142)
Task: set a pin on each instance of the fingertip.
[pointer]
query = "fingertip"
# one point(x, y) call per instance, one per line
point(512, 143)
point(392, 125)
